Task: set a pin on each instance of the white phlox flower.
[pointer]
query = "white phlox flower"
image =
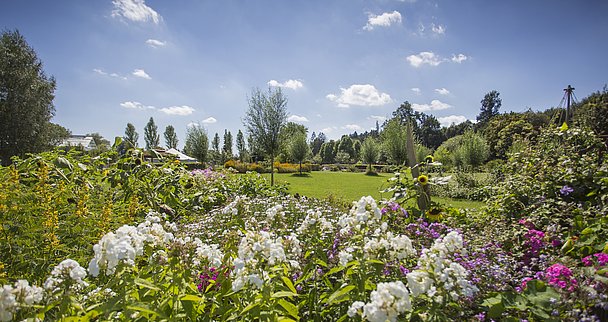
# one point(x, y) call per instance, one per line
point(67, 271)
point(387, 302)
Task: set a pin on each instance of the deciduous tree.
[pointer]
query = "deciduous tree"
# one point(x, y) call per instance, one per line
point(266, 115)
point(131, 136)
point(197, 143)
point(26, 99)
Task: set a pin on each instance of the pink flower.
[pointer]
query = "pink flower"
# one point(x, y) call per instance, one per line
point(602, 258)
point(587, 261)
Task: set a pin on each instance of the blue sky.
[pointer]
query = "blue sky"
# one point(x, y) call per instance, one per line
point(342, 64)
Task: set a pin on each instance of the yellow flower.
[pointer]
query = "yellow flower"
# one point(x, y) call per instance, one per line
point(429, 159)
point(434, 214)
point(423, 179)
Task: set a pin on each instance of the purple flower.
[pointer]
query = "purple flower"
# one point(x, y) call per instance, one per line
point(587, 261)
point(602, 258)
point(566, 190)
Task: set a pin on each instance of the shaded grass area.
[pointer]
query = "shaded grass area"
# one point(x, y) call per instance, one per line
point(349, 186)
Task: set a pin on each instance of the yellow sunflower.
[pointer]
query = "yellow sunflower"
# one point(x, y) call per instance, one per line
point(423, 179)
point(429, 159)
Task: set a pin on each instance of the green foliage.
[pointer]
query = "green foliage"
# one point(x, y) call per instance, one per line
point(474, 149)
point(264, 120)
point(369, 153)
point(299, 149)
point(26, 100)
point(394, 139)
point(241, 146)
point(197, 143)
point(151, 136)
point(490, 104)
point(170, 137)
point(131, 136)
point(592, 112)
point(227, 147)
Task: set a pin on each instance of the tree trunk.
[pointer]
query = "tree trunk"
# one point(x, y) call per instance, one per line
point(300, 167)
point(272, 170)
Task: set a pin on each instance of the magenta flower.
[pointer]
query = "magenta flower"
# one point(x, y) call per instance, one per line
point(560, 276)
point(602, 258)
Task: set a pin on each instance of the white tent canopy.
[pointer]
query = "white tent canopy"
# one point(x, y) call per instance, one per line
point(180, 156)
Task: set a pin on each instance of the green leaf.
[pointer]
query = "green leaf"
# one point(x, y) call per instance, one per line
point(284, 294)
point(291, 309)
point(251, 306)
point(147, 284)
point(142, 309)
point(191, 298)
point(289, 284)
point(340, 295)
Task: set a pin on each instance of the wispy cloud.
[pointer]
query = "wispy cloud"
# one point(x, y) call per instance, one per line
point(135, 10)
point(297, 118)
point(378, 118)
point(451, 119)
point(352, 127)
point(442, 91)
point(291, 84)
point(438, 29)
point(435, 105)
point(384, 20)
point(361, 95)
point(432, 59)
point(416, 90)
point(155, 43)
point(104, 73)
point(178, 110)
point(459, 58)
point(136, 105)
point(141, 73)
point(209, 120)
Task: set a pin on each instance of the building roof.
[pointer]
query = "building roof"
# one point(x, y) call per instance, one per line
point(86, 142)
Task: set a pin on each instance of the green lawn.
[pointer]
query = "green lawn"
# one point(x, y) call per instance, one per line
point(349, 186)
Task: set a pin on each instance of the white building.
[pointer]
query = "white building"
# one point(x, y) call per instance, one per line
point(86, 142)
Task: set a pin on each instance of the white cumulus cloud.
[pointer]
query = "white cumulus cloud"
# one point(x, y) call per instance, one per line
point(451, 119)
point(361, 95)
point(291, 84)
point(209, 120)
point(135, 10)
point(135, 105)
point(155, 43)
point(416, 90)
point(442, 91)
point(297, 118)
point(435, 105)
point(141, 73)
point(384, 20)
point(459, 58)
point(425, 57)
point(177, 110)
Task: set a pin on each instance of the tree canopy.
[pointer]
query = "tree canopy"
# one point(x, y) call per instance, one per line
point(266, 115)
point(170, 137)
point(151, 135)
point(197, 143)
point(131, 136)
point(26, 100)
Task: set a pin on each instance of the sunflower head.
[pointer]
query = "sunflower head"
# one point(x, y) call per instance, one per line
point(429, 159)
point(424, 180)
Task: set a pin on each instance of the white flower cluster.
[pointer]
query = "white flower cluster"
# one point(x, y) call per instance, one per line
point(387, 302)
point(437, 271)
point(259, 251)
point(365, 214)
point(68, 271)
point(437, 277)
point(315, 220)
point(392, 246)
point(11, 298)
point(365, 220)
point(126, 244)
point(209, 252)
point(273, 211)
